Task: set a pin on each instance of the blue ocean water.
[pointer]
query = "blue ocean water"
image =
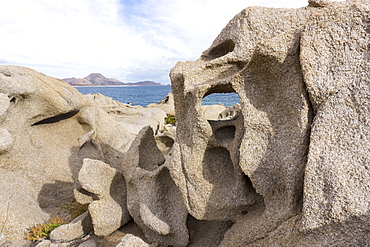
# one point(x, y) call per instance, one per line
point(144, 95)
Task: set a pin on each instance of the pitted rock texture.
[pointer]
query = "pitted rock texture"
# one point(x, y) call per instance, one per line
point(225, 167)
point(291, 68)
point(153, 199)
point(334, 48)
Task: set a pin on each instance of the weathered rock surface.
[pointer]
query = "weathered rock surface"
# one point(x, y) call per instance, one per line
point(37, 102)
point(19, 208)
point(2, 239)
point(134, 118)
point(289, 166)
point(108, 211)
point(132, 241)
point(337, 175)
point(89, 243)
point(211, 112)
point(73, 230)
point(287, 66)
point(165, 138)
point(46, 129)
point(341, 30)
point(153, 199)
point(167, 104)
point(253, 162)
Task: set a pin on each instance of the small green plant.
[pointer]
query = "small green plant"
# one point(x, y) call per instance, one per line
point(43, 230)
point(75, 208)
point(170, 119)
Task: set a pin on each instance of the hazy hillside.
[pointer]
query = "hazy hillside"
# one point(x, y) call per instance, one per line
point(97, 79)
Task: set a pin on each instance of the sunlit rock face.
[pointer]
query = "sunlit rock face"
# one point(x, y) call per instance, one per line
point(46, 128)
point(292, 68)
point(41, 121)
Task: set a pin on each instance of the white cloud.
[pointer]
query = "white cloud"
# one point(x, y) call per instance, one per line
point(128, 40)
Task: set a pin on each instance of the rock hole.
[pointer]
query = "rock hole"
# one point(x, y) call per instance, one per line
point(221, 49)
point(57, 118)
point(226, 133)
point(13, 99)
point(227, 99)
point(217, 100)
point(218, 168)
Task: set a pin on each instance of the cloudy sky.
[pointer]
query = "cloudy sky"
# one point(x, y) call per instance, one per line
point(130, 40)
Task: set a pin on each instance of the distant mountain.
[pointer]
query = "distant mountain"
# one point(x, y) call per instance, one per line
point(97, 79)
point(77, 81)
point(144, 83)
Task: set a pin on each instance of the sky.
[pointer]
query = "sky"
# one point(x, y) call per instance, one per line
point(130, 40)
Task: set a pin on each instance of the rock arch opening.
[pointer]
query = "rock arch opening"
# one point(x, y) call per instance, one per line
point(227, 99)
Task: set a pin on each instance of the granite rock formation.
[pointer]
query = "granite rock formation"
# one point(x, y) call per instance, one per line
point(292, 68)
point(106, 186)
point(288, 166)
point(47, 128)
point(153, 199)
point(249, 168)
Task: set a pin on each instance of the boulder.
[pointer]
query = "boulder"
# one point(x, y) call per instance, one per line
point(130, 240)
point(88, 243)
point(167, 104)
point(44, 243)
point(108, 210)
point(211, 112)
point(104, 101)
point(38, 130)
point(75, 229)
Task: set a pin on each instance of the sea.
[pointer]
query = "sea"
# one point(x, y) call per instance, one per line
point(144, 95)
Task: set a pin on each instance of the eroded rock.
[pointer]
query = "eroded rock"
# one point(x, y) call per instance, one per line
point(153, 199)
point(75, 229)
point(226, 167)
point(15, 217)
point(130, 240)
point(285, 69)
point(167, 104)
point(108, 211)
